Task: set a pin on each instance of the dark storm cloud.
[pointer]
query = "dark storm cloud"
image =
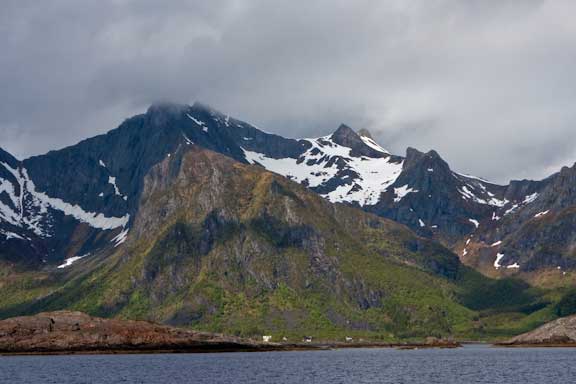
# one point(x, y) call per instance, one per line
point(488, 84)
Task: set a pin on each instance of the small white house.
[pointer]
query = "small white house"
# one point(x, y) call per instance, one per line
point(349, 339)
point(307, 339)
point(266, 339)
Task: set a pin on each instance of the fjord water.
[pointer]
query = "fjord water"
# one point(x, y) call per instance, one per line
point(471, 364)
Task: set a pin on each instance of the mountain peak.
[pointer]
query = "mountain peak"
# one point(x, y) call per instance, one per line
point(414, 156)
point(159, 113)
point(164, 107)
point(344, 132)
point(346, 137)
point(198, 105)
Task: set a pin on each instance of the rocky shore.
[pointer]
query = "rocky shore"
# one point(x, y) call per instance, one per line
point(65, 332)
point(557, 333)
point(68, 332)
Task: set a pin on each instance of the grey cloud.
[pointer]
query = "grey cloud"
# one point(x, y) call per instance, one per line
point(486, 83)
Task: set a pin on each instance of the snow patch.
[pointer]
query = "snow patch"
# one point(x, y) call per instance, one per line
point(120, 238)
point(467, 194)
point(513, 266)
point(95, 220)
point(512, 209)
point(372, 144)
point(11, 235)
point(188, 141)
point(198, 122)
point(112, 180)
point(530, 198)
point(499, 257)
point(402, 192)
point(540, 214)
point(68, 262)
point(475, 222)
point(471, 177)
point(496, 244)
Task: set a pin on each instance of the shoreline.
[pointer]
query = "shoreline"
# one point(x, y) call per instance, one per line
point(254, 348)
point(291, 348)
point(537, 345)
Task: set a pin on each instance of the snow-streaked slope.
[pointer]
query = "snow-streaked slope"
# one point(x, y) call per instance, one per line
point(361, 179)
point(29, 208)
point(71, 260)
point(372, 144)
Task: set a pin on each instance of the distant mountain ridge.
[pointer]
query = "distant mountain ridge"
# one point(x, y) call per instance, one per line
point(75, 201)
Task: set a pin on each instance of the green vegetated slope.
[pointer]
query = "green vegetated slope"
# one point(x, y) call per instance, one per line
point(226, 247)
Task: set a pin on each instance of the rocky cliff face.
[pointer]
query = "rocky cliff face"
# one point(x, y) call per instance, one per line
point(532, 236)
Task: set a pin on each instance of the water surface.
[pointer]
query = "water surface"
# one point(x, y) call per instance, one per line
point(471, 364)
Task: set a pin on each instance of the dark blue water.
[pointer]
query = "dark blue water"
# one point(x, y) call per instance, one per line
point(472, 364)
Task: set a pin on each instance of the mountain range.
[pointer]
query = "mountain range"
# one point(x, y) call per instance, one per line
point(188, 216)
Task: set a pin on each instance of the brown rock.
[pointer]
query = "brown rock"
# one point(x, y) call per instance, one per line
point(76, 332)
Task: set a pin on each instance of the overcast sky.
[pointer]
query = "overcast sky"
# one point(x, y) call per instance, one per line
point(488, 84)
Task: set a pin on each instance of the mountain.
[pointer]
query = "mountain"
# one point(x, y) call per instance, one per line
point(90, 192)
point(187, 216)
point(225, 246)
point(535, 237)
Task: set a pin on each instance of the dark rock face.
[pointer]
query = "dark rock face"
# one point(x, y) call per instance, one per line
point(537, 232)
point(7, 158)
point(70, 332)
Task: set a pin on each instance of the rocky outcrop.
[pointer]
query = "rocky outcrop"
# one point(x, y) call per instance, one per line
point(76, 332)
point(557, 333)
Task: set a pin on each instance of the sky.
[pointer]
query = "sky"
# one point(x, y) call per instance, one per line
point(489, 84)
